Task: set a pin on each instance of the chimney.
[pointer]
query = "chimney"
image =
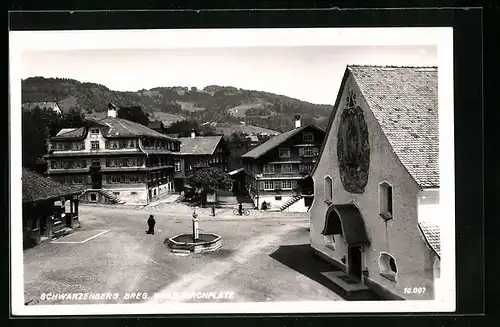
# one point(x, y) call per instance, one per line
point(298, 121)
point(111, 110)
point(193, 133)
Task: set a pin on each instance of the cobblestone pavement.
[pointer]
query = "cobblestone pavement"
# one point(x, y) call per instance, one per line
point(262, 259)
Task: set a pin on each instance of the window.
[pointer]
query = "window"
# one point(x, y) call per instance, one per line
point(385, 197)
point(286, 168)
point(388, 267)
point(328, 189)
point(308, 137)
point(93, 197)
point(133, 193)
point(154, 192)
point(307, 152)
point(284, 153)
point(287, 185)
point(268, 169)
point(305, 168)
point(329, 241)
point(94, 131)
point(278, 198)
point(268, 185)
point(96, 162)
point(115, 179)
point(177, 165)
point(94, 145)
point(116, 193)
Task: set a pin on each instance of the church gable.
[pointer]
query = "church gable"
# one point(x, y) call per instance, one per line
point(403, 101)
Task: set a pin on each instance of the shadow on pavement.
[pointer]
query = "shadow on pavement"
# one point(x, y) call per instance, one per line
point(300, 258)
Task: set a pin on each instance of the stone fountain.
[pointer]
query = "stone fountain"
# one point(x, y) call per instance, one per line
point(194, 242)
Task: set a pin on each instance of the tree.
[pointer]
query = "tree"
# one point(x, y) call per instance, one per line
point(37, 125)
point(135, 114)
point(74, 119)
point(208, 180)
point(184, 128)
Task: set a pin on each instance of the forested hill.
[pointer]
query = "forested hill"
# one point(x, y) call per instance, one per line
point(224, 105)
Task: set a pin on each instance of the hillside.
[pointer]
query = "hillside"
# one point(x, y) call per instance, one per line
point(225, 105)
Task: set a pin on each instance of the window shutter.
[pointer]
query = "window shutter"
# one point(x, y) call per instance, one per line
point(261, 186)
point(301, 152)
point(294, 184)
point(315, 151)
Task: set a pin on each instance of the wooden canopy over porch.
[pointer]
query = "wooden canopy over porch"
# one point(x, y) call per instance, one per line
point(49, 207)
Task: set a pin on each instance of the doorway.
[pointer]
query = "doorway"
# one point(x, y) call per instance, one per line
point(354, 265)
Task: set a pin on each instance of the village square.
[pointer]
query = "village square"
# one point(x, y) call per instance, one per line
point(325, 203)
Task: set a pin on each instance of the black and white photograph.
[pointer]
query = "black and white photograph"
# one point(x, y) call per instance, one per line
point(194, 171)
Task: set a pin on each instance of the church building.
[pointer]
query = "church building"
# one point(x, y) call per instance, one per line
point(375, 215)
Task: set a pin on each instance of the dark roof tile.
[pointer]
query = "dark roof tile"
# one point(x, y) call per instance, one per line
point(199, 145)
point(37, 187)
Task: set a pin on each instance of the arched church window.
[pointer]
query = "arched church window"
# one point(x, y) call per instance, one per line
point(328, 189)
point(388, 266)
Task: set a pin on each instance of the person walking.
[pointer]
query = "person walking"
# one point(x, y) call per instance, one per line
point(151, 225)
point(240, 209)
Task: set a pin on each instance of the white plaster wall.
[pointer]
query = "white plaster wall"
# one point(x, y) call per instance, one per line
point(298, 206)
point(272, 202)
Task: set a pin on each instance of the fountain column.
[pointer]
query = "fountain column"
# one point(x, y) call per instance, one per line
point(195, 226)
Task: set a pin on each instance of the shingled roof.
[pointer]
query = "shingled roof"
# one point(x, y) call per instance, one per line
point(77, 133)
point(273, 142)
point(404, 100)
point(117, 127)
point(432, 235)
point(37, 187)
point(199, 145)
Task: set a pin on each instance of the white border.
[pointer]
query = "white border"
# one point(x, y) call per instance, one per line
point(163, 39)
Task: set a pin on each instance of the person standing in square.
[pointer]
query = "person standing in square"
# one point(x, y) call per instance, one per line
point(151, 225)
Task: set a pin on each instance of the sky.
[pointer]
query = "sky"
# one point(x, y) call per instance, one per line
point(308, 73)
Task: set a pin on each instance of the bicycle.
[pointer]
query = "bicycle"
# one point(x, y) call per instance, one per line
point(245, 212)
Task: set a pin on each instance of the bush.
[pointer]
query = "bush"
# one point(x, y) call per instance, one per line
point(264, 206)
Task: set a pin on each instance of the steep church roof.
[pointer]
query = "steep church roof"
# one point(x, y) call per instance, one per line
point(404, 101)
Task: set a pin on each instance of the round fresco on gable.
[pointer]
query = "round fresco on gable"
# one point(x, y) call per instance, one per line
point(353, 148)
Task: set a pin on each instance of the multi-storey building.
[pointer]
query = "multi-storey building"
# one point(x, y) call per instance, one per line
point(115, 159)
point(278, 170)
point(198, 152)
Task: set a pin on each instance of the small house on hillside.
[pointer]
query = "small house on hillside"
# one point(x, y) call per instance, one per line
point(375, 214)
point(42, 105)
point(49, 208)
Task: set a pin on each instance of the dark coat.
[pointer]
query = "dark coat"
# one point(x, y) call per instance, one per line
point(151, 222)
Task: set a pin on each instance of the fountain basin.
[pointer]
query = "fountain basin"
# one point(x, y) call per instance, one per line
point(184, 243)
